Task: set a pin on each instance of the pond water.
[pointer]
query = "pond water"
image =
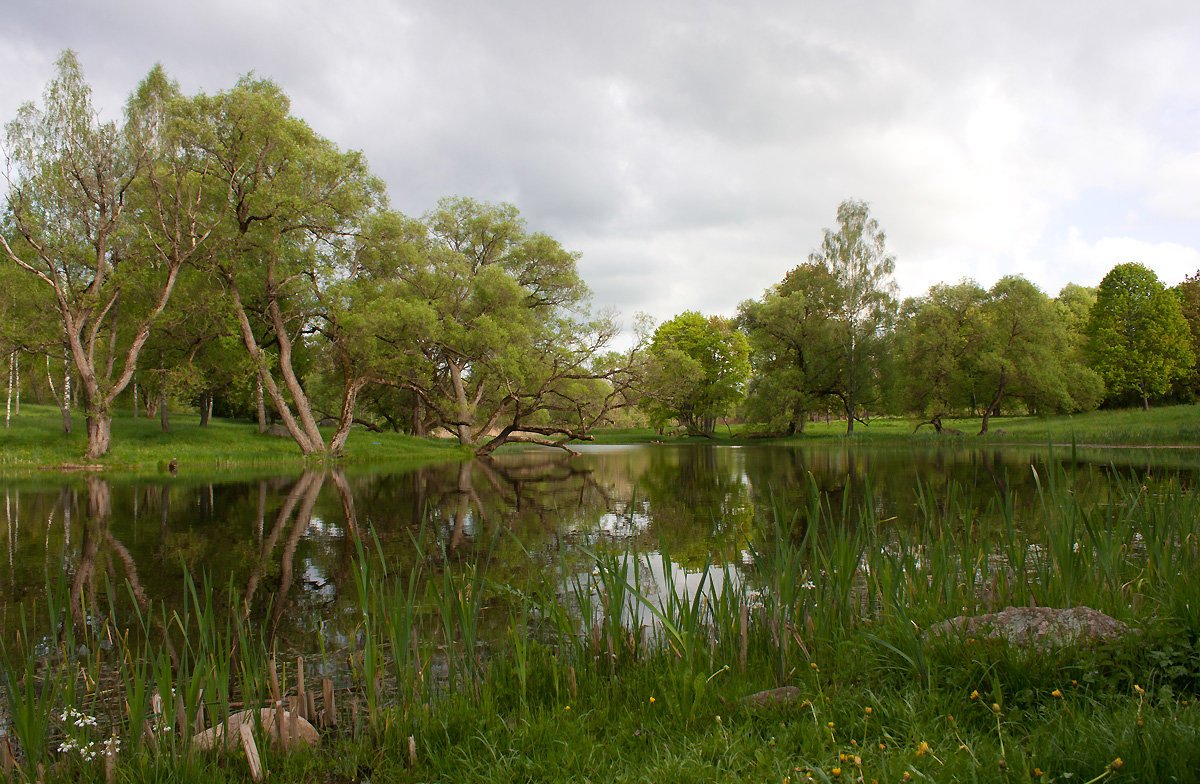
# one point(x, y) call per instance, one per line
point(284, 547)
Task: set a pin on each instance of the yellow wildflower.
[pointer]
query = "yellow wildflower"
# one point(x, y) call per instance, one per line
point(1056, 693)
point(1116, 764)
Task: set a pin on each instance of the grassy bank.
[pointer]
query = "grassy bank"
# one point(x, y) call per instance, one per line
point(35, 439)
point(570, 688)
point(1165, 426)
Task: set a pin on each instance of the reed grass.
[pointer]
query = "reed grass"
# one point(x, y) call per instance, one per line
point(573, 687)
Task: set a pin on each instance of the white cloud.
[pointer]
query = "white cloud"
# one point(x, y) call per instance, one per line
point(693, 150)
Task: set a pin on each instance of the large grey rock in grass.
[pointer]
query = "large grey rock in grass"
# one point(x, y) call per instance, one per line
point(279, 431)
point(1040, 627)
point(299, 729)
point(784, 695)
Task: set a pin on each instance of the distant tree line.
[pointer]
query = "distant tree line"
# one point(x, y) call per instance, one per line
point(214, 250)
point(831, 336)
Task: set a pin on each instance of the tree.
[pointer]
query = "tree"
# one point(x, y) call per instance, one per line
point(792, 335)
point(697, 370)
point(1188, 293)
point(1023, 352)
point(857, 258)
point(937, 339)
point(487, 323)
point(105, 217)
point(1138, 338)
point(294, 209)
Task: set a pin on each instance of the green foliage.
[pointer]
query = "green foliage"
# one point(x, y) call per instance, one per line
point(792, 333)
point(487, 323)
point(1138, 338)
point(1188, 292)
point(857, 259)
point(937, 339)
point(698, 367)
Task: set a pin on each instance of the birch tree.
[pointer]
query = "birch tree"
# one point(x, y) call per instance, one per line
point(857, 258)
point(81, 195)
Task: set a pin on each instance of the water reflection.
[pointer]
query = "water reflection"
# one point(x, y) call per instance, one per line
point(283, 548)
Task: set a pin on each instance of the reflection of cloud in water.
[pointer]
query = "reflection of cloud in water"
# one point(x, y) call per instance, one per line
point(620, 524)
point(318, 526)
point(608, 448)
point(662, 584)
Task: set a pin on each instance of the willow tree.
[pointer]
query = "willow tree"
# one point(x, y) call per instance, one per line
point(487, 323)
point(104, 217)
point(937, 338)
point(293, 212)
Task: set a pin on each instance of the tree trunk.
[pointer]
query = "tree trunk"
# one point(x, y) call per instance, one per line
point(99, 429)
point(995, 405)
point(338, 442)
point(850, 414)
point(17, 369)
point(305, 432)
point(261, 407)
point(418, 420)
point(66, 398)
point(135, 400)
point(205, 408)
point(164, 414)
point(462, 407)
point(8, 410)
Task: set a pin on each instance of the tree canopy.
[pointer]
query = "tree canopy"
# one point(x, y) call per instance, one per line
point(1138, 339)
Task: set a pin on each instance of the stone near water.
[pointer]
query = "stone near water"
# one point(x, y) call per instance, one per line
point(1040, 627)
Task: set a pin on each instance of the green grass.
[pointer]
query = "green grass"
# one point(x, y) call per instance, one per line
point(35, 439)
point(1177, 425)
point(836, 611)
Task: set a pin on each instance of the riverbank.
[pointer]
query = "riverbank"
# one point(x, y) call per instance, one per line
point(1177, 426)
point(35, 441)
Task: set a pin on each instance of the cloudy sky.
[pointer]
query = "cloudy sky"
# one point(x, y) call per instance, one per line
point(692, 151)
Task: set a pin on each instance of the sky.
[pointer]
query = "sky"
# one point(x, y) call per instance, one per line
point(693, 151)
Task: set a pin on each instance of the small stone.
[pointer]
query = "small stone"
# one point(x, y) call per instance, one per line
point(784, 695)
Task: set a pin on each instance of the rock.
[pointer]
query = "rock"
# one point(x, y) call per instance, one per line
point(784, 695)
point(1041, 627)
point(302, 731)
point(279, 431)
